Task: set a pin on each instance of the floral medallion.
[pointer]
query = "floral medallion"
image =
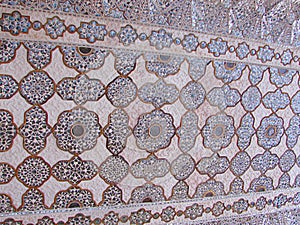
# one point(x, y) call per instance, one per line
point(77, 130)
point(154, 130)
point(218, 132)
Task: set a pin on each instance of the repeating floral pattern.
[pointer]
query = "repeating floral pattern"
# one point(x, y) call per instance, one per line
point(247, 114)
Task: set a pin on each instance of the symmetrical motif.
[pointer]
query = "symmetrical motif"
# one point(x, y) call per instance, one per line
point(240, 163)
point(245, 131)
point(213, 165)
point(160, 39)
point(245, 148)
point(114, 169)
point(112, 196)
point(163, 65)
point(192, 95)
point(37, 87)
point(260, 184)
point(33, 171)
point(158, 93)
point(188, 131)
point(276, 100)
point(150, 168)
point(281, 77)
point(264, 162)
point(293, 131)
point(228, 71)
point(182, 167)
point(197, 67)
point(55, 27)
point(256, 73)
point(35, 130)
point(117, 131)
point(8, 130)
point(15, 23)
point(147, 193)
point(223, 97)
point(121, 91)
point(154, 130)
point(125, 62)
point(251, 98)
point(287, 160)
point(92, 31)
point(80, 89)
point(74, 170)
point(32, 200)
point(218, 131)
point(270, 131)
point(83, 59)
point(73, 197)
point(8, 86)
point(209, 188)
point(39, 55)
point(127, 35)
point(77, 130)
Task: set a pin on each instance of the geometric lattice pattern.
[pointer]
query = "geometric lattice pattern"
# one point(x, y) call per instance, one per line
point(130, 113)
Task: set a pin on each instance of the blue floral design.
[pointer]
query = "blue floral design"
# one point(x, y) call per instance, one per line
point(265, 53)
point(160, 39)
point(92, 31)
point(127, 35)
point(217, 47)
point(270, 131)
point(15, 23)
point(276, 100)
point(190, 42)
point(286, 57)
point(281, 77)
point(242, 51)
point(55, 27)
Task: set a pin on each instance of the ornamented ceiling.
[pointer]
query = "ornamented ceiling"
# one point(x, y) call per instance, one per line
point(149, 112)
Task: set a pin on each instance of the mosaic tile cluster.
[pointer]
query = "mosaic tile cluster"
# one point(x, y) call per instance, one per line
point(271, 21)
point(169, 137)
point(56, 28)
